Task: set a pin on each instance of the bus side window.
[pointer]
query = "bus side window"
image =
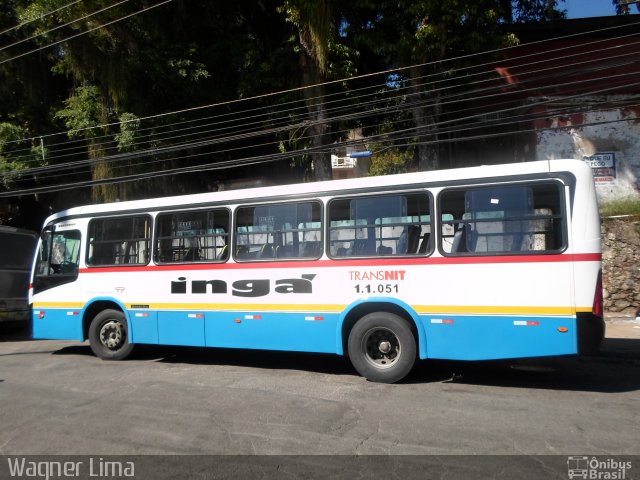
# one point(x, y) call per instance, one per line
point(192, 236)
point(502, 219)
point(278, 231)
point(381, 225)
point(119, 241)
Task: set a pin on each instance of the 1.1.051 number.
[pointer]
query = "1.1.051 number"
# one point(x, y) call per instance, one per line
point(379, 288)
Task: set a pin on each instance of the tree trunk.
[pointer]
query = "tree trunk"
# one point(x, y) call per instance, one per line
point(425, 120)
point(318, 130)
point(101, 170)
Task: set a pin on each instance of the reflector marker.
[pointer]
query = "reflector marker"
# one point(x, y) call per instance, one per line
point(253, 317)
point(195, 315)
point(71, 314)
point(526, 323)
point(447, 321)
point(141, 314)
point(314, 319)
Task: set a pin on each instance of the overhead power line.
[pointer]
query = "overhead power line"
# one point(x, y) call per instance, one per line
point(457, 126)
point(229, 122)
point(40, 17)
point(63, 25)
point(383, 73)
point(286, 121)
point(372, 103)
point(71, 37)
point(247, 161)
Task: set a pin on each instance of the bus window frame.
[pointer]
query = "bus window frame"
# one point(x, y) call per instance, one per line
point(149, 240)
point(431, 212)
point(155, 231)
point(563, 216)
point(234, 234)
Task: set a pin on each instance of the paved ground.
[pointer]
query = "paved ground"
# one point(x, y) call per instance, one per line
point(622, 326)
point(59, 399)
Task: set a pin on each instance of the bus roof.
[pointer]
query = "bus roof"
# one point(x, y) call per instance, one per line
point(329, 187)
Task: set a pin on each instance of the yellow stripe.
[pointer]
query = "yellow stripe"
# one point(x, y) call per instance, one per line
point(284, 307)
point(334, 308)
point(76, 305)
point(492, 309)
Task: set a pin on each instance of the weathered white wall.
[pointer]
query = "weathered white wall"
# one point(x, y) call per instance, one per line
point(615, 130)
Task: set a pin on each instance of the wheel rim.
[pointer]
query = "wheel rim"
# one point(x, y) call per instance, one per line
point(112, 335)
point(381, 347)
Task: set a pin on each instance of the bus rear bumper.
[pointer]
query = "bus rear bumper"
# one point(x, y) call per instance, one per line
point(591, 330)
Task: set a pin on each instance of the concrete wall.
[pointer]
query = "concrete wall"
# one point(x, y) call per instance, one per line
point(621, 264)
point(615, 131)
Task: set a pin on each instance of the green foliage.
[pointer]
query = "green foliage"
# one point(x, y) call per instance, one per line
point(17, 154)
point(129, 126)
point(389, 162)
point(314, 21)
point(186, 54)
point(624, 206)
point(188, 68)
point(537, 10)
point(84, 112)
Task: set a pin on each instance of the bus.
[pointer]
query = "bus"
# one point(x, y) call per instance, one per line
point(17, 249)
point(489, 262)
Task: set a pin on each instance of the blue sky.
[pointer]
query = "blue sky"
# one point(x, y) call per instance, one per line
point(590, 8)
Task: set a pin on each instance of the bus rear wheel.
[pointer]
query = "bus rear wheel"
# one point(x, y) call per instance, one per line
point(382, 347)
point(109, 337)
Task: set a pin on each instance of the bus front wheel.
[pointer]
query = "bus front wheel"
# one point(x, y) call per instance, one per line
point(382, 347)
point(109, 337)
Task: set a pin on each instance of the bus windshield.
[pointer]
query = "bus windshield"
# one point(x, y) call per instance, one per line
point(58, 258)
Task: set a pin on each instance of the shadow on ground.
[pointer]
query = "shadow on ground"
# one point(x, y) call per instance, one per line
point(615, 368)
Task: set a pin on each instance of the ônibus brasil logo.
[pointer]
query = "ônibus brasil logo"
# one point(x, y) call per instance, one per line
point(597, 469)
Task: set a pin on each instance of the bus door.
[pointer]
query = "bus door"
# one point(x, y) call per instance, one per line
point(56, 265)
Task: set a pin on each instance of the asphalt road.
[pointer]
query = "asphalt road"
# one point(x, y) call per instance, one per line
point(57, 398)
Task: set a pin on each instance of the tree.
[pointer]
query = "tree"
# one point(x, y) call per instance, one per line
point(86, 116)
point(138, 66)
point(314, 22)
point(418, 37)
point(623, 7)
point(429, 41)
point(537, 10)
point(17, 154)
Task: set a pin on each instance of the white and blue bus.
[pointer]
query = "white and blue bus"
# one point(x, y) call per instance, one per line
point(477, 263)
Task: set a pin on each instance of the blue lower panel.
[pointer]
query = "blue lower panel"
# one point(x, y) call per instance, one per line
point(181, 328)
point(489, 338)
point(57, 324)
point(143, 326)
point(272, 331)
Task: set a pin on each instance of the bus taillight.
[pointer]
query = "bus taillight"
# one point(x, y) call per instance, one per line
point(598, 309)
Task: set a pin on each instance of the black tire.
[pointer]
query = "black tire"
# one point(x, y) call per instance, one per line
point(382, 347)
point(109, 337)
